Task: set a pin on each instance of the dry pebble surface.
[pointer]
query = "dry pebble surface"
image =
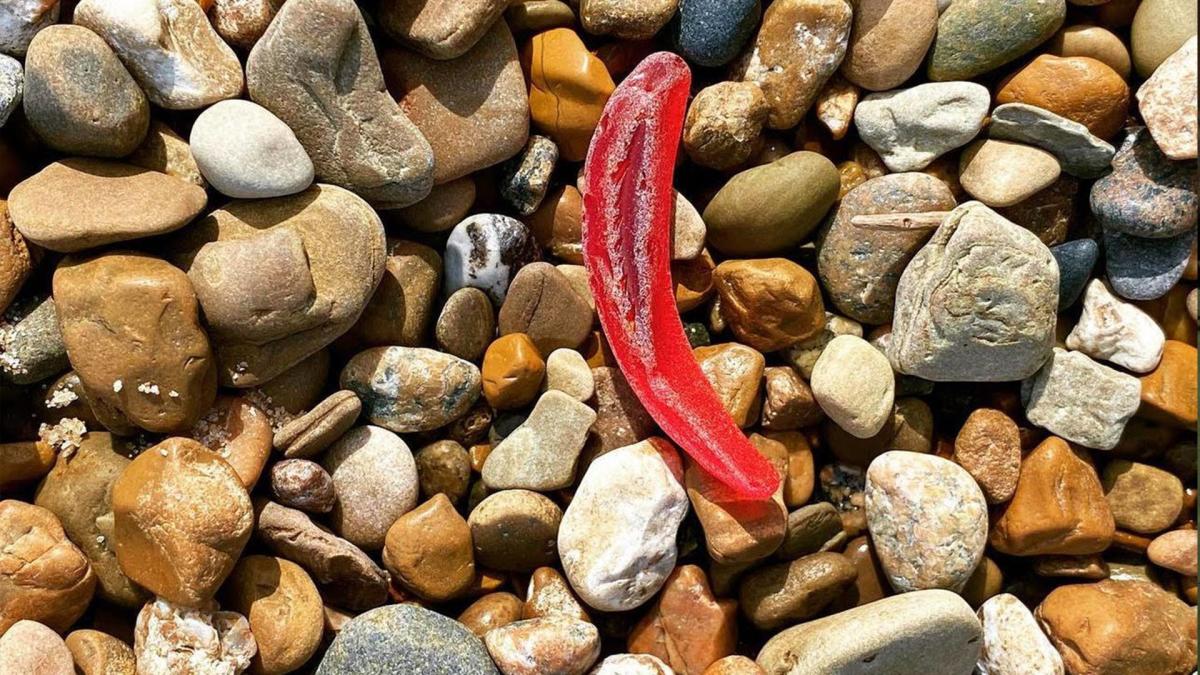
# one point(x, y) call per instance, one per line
point(303, 365)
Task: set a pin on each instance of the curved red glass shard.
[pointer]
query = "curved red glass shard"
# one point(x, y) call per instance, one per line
point(627, 214)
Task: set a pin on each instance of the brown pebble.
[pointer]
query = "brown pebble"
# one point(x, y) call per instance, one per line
point(549, 594)
point(785, 593)
point(735, 373)
point(986, 581)
point(542, 303)
point(512, 371)
point(317, 429)
point(466, 325)
point(1143, 499)
point(443, 467)
point(734, 665)
point(428, 550)
point(303, 484)
point(515, 530)
point(557, 226)
point(769, 303)
point(687, 627)
point(1176, 551)
point(491, 611)
point(871, 584)
point(1079, 88)
point(44, 578)
point(1071, 566)
point(788, 402)
point(240, 432)
point(283, 607)
point(97, 653)
point(989, 447)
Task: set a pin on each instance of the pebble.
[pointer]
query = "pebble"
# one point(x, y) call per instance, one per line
point(428, 551)
point(165, 151)
point(473, 110)
point(1078, 88)
point(557, 226)
point(44, 577)
point(20, 21)
point(1167, 102)
point(76, 204)
point(835, 106)
point(242, 22)
point(889, 41)
point(283, 608)
point(910, 128)
point(1160, 28)
point(854, 385)
point(710, 33)
point(927, 518)
point(1176, 551)
point(1110, 626)
point(78, 492)
point(347, 576)
point(976, 256)
point(627, 19)
point(31, 343)
point(568, 372)
point(988, 171)
point(568, 87)
point(12, 86)
point(375, 479)
point(351, 128)
point(312, 432)
point(803, 356)
point(620, 418)
point(724, 124)
point(799, 46)
point(408, 389)
point(443, 208)
point(758, 212)
point(860, 266)
point(486, 251)
point(735, 530)
point(170, 47)
point(1012, 641)
point(131, 326)
point(31, 648)
point(989, 447)
point(784, 593)
point(70, 75)
point(1075, 259)
point(98, 653)
point(734, 665)
point(491, 611)
point(527, 175)
point(1168, 393)
point(246, 152)
point(240, 432)
point(813, 529)
point(1094, 42)
point(928, 631)
point(770, 303)
point(443, 29)
point(1145, 269)
point(735, 372)
point(634, 488)
point(512, 372)
point(788, 401)
point(405, 639)
point(325, 245)
point(515, 530)
point(688, 628)
point(977, 36)
point(1116, 331)
point(542, 303)
point(466, 325)
point(550, 594)
point(170, 638)
point(181, 519)
point(1058, 507)
point(552, 644)
point(542, 452)
point(631, 664)
point(443, 467)
point(1143, 499)
point(303, 484)
point(1080, 400)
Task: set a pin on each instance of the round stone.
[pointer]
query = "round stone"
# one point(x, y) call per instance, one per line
point(406, 639)
point(515, 530)
point(724, 124)
point(1176, 551)
point(375, 479)
point(466, 325)
point(1160, 27)
point(1078, 88)
point(31, 648)
point(1000, 173)
point(928, 520)
point(853, 383)
point(246, 152)
point(1094, 42)
point(1143, 499)
point(283, 607)
point(770, 303)
point(302, 484)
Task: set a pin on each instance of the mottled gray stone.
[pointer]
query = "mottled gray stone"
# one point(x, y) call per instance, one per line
point(12, 86)
point(1146, 195)
point(1080, 400)
point(910, 128)
point(1145, 269)
point(31, 344)
point(405, 639)
point(977, 304)
point(1078, 151)
point(1075, 262)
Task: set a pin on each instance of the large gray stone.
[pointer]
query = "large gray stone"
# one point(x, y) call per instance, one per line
point(12, 86)
point(977, 304)
point(405, 639)
point(910, 128)
point(316, 69)
point(1078, 151)
point(1080, 400)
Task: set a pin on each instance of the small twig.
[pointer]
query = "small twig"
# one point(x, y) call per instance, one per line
point(901, 221)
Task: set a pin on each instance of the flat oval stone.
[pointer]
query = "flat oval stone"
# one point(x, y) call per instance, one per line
point(408, 389)
point(1012, 640)
point(760, 211)
point(1079, 88)
point(860, 266)
point(170, 47)
point(486, 251)
point(928, 520)
point(246, 152)
point(976, 36)
point(442, 29)
point(1078, 151)
point(77, 204)
point(78, 98)
point(910, 128)
point(710, 33)
point(636, 488)
point(405, 639)
point(131, 324)
point(888, 41)
point(978, 303)
point(783, 593)
point(515, 530)
point(352, 129)
point(1001, 173)
point(542, 452)
point(799, 46)
point(473, 110)
point(281, 278)
point(1147, 194)
point(900, 635)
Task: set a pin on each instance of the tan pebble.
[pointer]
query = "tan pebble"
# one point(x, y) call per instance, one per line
point(568, 372)
point(44, 578)
point(283, 607)
point(1143, 499)
point(986, 581)
point(30, 648)
point(443, 467)
point(467, 324)
point(1000, 173)
point(442, 29)
point(835, 106)
point(1176, 551)
point(240, 432)
point(735, 372)
point(738, 530)
point(734, 665)
point(688, 627)
point(1092, 41)
point(167, 152)
point(724, 124)
point(400, 311)
point(989, 447)
point(888, 41)
point(98, 653)
point(628, 19)
point(444, 207)
point(550, 595)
